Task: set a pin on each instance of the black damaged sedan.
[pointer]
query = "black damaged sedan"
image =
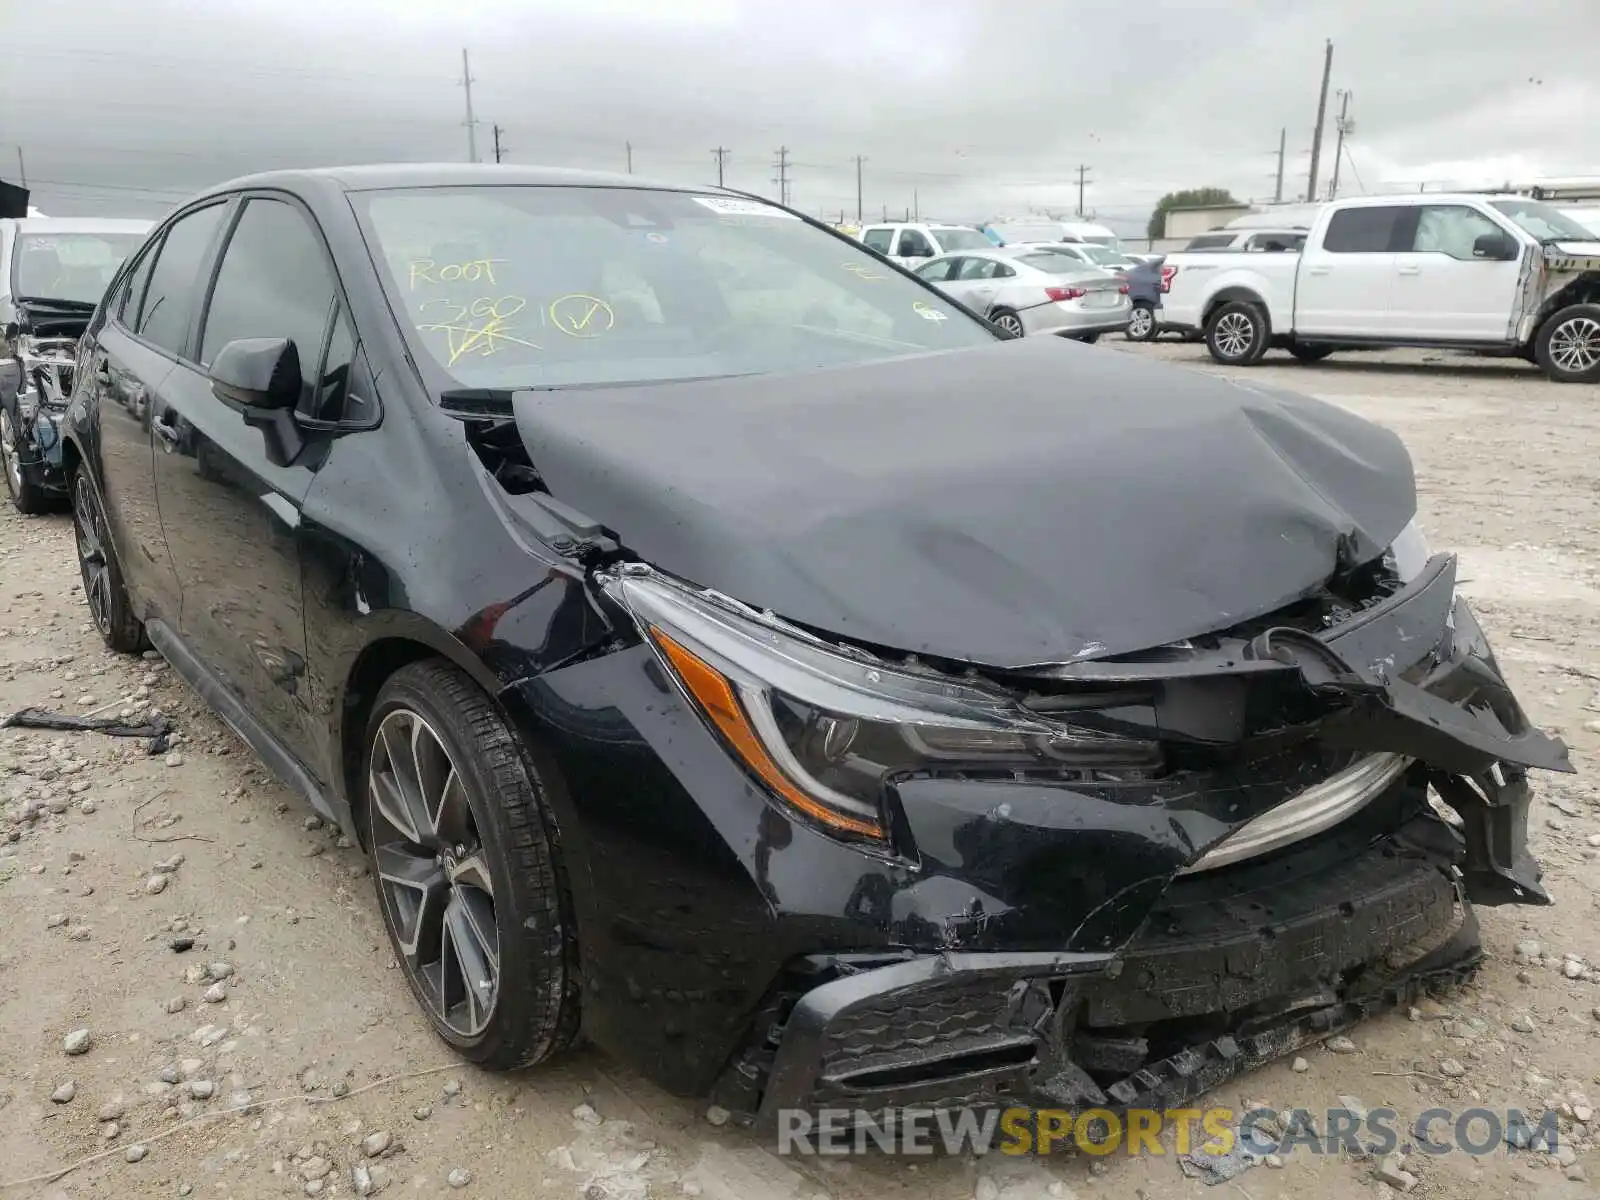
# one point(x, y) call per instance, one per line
point(730, 650)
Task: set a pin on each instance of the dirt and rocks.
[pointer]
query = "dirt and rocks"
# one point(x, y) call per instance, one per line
point(197, 997)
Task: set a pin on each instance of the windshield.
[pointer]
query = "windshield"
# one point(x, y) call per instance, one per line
point(574, 286)
point(962, 239)
point(69, 266)
point(1544, 222)
point(1104, 240)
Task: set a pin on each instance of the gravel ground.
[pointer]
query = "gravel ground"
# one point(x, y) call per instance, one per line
point(247, 1033)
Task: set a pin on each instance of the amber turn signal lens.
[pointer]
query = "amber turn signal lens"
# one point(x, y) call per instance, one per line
point(716, 697)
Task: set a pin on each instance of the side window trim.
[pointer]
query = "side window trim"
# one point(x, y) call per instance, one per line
point(340, 303)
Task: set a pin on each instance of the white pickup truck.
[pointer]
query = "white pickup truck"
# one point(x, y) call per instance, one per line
point(1495, 274)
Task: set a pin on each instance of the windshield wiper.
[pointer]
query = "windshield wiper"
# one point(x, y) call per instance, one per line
point(494, 404)
point(58, 302)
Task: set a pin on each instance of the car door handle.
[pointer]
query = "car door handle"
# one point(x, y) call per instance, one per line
point(1411, 270)
point(1318, 270)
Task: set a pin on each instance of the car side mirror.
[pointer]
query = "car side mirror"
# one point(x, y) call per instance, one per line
point(1495, 246)
point(260, 379)
point(258, 373)
point(916, 252)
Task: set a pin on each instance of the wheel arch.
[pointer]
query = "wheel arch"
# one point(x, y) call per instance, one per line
point(405, 642)
point(1228, 295)
point(1583, 290)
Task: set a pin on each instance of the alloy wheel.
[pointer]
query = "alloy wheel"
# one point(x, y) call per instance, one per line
point(9, 457)
point(1139, 323)
point(1011, 323)
point(1234, 335)
point(432, 873)
point(1575, 345)
point(89, 530)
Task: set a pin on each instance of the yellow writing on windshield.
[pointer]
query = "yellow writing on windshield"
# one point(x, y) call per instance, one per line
point(481, 327)
point(425, 270)
point(861, 271)
point(582, 316)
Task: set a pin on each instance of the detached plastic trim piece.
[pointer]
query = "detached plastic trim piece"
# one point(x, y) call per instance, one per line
point(1319, 807)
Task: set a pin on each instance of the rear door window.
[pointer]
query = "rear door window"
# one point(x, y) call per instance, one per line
point(173, 294)
point(1378, 229)
point(913, 244)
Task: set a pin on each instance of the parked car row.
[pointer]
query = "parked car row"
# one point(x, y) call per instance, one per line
point(732, 650)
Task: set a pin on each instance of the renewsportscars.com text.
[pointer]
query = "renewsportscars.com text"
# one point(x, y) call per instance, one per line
point(1258, 1131)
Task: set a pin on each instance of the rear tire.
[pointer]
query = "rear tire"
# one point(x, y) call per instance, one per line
point(1310, 354)
point(1088, 339)
point(103, 587)
point(1567, 347)
point(27, 497)
point(463, 847)
point(1142, 325)
point(1237, 334)
point(1005, 319)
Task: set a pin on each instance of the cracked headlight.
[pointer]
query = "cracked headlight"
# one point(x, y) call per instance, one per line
point(826, 732)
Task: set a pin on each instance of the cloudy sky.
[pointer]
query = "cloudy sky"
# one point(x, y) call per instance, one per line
point(969, 108)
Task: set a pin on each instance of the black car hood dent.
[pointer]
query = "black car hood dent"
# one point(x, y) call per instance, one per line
point(1031, 502)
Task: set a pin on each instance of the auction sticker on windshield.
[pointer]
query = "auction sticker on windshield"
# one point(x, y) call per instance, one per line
point(730, 206)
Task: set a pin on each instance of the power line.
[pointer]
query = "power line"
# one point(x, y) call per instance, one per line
point(230, 69)
point(472, 122)
point(721, 152)
point(118, 187)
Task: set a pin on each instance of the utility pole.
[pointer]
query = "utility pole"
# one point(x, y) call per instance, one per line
point(1344, 126)
point(860, 158)
point(1322, 113)
point(916, 206)
point(629, 147)
point(472, 122)
point(1283, 142)
point(497, 148)
point(721, 152)
point(1083, 178)
point(782, 178)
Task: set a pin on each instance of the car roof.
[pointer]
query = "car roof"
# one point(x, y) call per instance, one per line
point(378, 176)
point(81, 225)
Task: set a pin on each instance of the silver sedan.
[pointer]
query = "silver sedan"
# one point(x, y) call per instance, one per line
point(1027, 291)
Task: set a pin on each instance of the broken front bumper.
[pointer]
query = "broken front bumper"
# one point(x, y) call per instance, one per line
point(1232, 970)
point(1194, 969)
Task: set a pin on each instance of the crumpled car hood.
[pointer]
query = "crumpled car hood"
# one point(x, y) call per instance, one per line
point(1032, 502)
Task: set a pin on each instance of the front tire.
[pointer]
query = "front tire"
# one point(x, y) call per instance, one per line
point(27, 497)
point(463, 847)
point(103, 586)
point(1567, 347)
point(1142, 324)
point(1237, 334)
point(1008, 321)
